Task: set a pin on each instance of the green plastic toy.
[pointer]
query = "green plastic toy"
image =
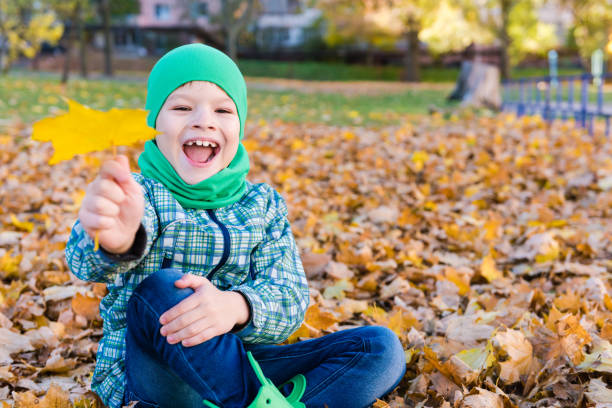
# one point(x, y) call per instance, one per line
point(269, 396)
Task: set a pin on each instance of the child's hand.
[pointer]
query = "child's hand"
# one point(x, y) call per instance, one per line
point(207, 313)
point(113, 206)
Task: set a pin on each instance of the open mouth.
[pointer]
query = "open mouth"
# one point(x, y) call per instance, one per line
point(201, 151)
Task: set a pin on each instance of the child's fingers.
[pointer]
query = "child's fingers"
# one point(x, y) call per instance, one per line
point(197, 331)
point(190, 330)
point(123, 161)
point(117, 169)
point(96, 222)
point(203, 336)
point(182, 321)
point(190, 302)
point(125, 177)
point(102, 206)
point(186, 281)
point(108, 189)
point(190, 281)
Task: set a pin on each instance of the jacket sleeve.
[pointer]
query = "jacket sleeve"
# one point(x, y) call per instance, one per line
point(101, 266)
point(277, 292)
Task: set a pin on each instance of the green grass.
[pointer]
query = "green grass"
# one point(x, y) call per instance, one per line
point(324, 71)
point(534, 72)
point(28, 97)
point(331, 71)
point(338, 109)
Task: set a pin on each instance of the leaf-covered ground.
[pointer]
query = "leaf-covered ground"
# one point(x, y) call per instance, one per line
point(484, 243)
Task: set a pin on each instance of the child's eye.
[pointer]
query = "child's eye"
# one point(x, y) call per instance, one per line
point(221, 110)
point(181, 108)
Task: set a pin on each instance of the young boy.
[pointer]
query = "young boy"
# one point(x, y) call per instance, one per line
point(201, 265)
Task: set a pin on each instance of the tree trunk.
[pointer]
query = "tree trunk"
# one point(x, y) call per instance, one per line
point(411, 58)
point(478, 85)
point(4, 61)
point(34, 64)
point(108, 43)
point(82, 44)
point(233, 27)
point(370, 56)
point(232, 43)
point(66, 68)
point(504, 61)
point(3, 48)
point(4, 69)
point(70, 45)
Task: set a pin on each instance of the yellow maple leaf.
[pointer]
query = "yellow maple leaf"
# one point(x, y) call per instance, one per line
point(399, 322)
point(86, 306)
point(83, 130)
point(467, 365)
point(250, 145)
point(378, 314)
point(315, 320)
point(22, 225)
point(337, 290)
point(553, 317)
point(419, 158)
point(569, 301)
point(491, 229)
point(608, 302)
point(462, 281)
point(488, 269)
point(519, 355)
point(297, 144)
point(348, 135)
point(573, 338)
point(9, 265)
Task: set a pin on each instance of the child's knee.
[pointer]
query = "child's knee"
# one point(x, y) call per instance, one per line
point(386, 346)
point(159, 292)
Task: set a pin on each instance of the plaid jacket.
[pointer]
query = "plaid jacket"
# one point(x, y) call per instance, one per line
point(247, 247)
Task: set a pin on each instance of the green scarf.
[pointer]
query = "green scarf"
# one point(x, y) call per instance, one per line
point(221, 189)
point(196, 62)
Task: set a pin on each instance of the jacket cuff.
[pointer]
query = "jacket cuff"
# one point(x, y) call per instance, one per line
point(247, 327)
point(132, 254)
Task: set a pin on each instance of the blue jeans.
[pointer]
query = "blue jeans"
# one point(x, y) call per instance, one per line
point(349, 368)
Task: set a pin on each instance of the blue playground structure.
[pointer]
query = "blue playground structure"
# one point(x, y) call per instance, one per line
point(573, 96)
point(560, 97)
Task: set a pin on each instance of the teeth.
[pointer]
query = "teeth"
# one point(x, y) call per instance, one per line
point(201, 143)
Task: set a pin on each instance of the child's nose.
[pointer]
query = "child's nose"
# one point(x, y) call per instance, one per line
point(203, 119)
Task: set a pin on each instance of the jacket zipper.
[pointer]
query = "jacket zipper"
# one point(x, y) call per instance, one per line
point(226, 243)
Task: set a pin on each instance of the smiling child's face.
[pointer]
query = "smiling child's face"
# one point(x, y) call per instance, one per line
point(200, 130)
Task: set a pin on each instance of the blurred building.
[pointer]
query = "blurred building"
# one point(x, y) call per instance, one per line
point(164, 24)
point(285, 24)
point(552, 12)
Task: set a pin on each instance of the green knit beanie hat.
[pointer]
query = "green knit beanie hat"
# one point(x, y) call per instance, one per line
point(195, 62)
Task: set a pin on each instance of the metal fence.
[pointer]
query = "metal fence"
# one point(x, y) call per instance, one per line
point(580, 97)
